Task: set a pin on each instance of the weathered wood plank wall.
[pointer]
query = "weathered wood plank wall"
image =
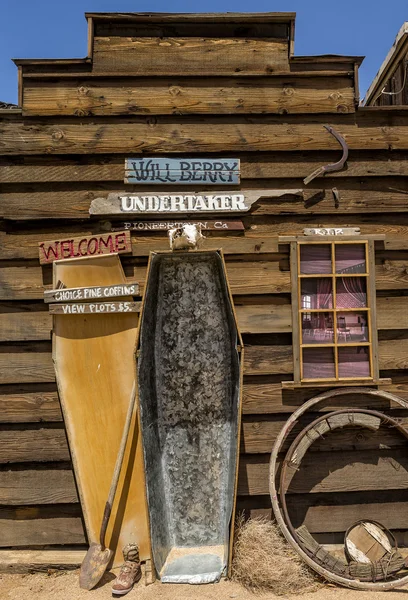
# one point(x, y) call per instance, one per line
point(396, 87)
point(79, 121)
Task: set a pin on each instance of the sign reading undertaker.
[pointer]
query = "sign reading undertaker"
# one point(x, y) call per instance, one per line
point(88, 245)
point(179, 203)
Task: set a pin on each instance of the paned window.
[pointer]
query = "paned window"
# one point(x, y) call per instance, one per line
point(333, 305)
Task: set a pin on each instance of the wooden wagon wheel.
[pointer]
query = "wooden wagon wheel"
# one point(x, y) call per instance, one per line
point(369, 419)
point(290, 423)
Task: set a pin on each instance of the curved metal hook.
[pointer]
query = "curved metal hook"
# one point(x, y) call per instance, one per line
point(333, 166)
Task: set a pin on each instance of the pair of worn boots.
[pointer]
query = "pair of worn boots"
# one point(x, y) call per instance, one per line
point(130, 572)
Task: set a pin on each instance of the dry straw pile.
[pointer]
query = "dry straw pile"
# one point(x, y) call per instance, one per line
point(264, 562)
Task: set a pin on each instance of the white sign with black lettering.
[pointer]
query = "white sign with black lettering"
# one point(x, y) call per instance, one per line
point(204, 202)
point(332, 231)
point(91, 293)
point(95, 308)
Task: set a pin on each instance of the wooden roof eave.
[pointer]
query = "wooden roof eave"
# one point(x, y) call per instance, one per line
point(389, 66)
point(199, 18)
point(328, 58)
point(229, 17)
point(50, 61)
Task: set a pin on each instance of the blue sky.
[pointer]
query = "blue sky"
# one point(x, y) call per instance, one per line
point(57, 29)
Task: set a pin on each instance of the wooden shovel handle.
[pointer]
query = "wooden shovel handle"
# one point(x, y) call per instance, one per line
point(117, 469)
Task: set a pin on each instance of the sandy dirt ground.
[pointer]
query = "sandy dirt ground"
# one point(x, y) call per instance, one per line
point(64, 586)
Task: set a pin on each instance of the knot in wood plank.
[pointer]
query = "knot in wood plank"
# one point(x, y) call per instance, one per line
point(81, 112)
point(83, 90)
point(174, 90)
point(57, 135)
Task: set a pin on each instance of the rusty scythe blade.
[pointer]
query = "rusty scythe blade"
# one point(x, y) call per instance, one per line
point(333, 166)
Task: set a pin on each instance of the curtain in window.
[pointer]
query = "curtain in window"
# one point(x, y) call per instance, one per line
point(354, 288)
point(324, 299)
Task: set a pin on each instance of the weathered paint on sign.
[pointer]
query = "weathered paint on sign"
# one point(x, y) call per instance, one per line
point(205, 202)
point(332, 231)
point(91, 293)
point(155, 226)
point(188, 171)
point(92, 245)
point(94, 308)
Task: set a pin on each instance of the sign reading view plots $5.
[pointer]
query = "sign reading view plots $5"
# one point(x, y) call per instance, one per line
point(95, 308)
point(184, 171)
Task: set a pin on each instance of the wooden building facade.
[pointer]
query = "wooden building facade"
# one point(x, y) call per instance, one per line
point(390, 86)
point(202, 86)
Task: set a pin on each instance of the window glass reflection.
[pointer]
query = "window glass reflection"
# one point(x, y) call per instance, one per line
point(316, 293)
point(315, 259)
point(354, 361)
point(350, 258)
point(317, 328)
point(351, 292)
point(318, 363)
point(352, 327)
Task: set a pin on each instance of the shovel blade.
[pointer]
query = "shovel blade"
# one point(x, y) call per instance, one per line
point(94, 566)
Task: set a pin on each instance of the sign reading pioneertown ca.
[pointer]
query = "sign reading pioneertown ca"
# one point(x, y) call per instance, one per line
point(155, 226)
point(90, 245)
point(184, 171)
point(204, 202)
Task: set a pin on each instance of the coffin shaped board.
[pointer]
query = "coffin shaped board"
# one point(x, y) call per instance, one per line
point(189, 384)
point(95, 369)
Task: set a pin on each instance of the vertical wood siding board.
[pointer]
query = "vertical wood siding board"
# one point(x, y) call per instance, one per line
point(185, 29)
point(260, 237)
point(264, 398)
point(29, 403)
point(345, 471)
point(257, 277)
point(192, 96)
point(20, 321)
point(209, 135)
point(36, 367)
point(259, 166)
point(372, 299)
point(295, 311)
point(262, 277)
point(33, 444)
point(75, 205)
point(32, 486)
point(261, 431)
point(41, 526)
point(207, 56)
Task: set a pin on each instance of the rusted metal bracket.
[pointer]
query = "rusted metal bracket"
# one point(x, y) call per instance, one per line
point(333, 166)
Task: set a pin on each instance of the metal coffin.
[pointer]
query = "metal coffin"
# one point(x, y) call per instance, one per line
point(189, 365)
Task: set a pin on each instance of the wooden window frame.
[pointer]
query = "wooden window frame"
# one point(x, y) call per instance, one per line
point(298, 345)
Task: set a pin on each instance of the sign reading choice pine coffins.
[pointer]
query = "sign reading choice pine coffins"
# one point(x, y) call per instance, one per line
point(182, 171)
point(91, 293)
point(88, 245)
point(96, 308)
point(156, 226)
point(204, 202)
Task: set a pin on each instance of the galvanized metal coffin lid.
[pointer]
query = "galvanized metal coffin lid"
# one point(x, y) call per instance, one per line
point(189, 394)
